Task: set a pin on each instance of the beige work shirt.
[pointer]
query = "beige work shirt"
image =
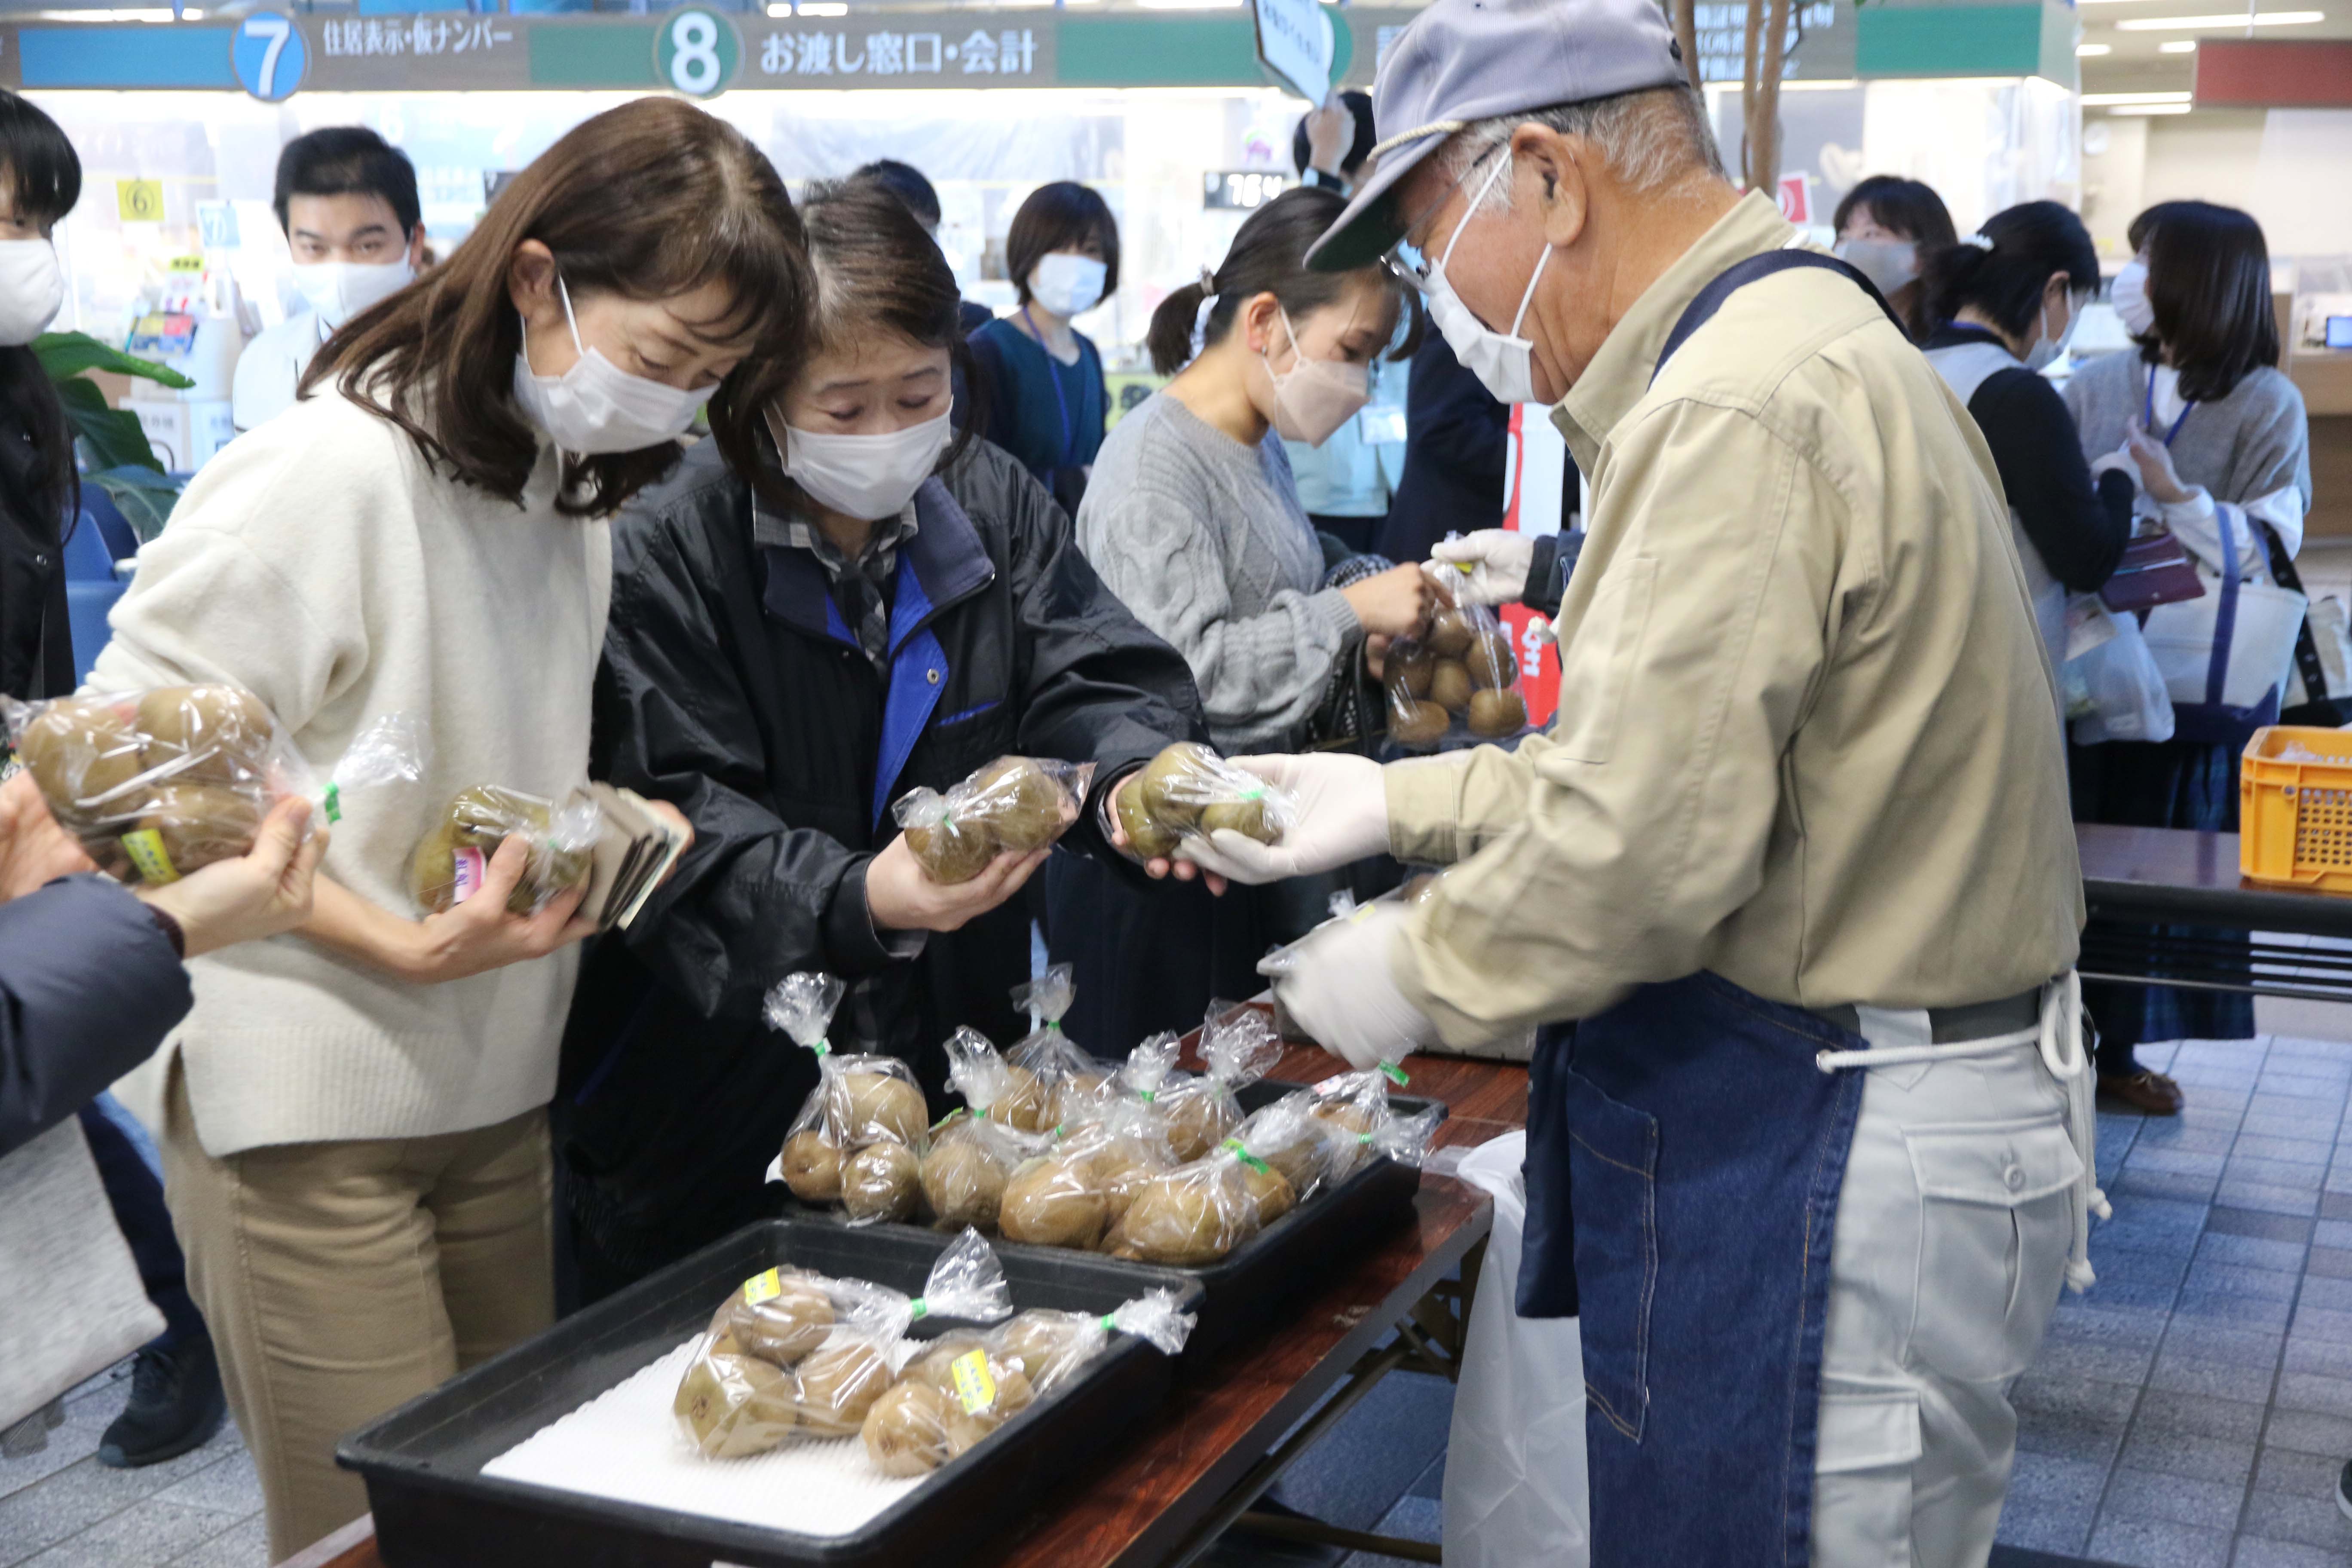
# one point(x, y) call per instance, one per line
point(1807, 735)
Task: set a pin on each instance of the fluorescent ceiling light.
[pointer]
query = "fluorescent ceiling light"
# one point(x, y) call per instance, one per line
point(2089, 49)
point(129, 13)
point(2206, 24)
point(2150, 109)
point(823, 8)
point(2176, 47)
point(2097, 99)
point(1190, 5)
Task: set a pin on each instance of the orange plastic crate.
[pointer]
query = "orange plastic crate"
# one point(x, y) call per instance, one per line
point(2294, 817)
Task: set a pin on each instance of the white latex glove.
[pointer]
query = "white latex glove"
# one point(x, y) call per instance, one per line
point(1488, 567)
point(1336, 986)
point(1342, 816)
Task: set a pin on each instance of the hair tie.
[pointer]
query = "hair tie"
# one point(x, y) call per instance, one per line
point(1201, 324)
point(1979, 240)
point(1208, 283)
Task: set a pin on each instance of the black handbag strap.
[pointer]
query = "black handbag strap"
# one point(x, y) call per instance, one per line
point(2306, 647)
point(1740, 274)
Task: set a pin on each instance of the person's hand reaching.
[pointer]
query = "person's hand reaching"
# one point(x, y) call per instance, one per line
point(261, 893)
point(34, 850)
point(1488, 567)
point(1342, 815)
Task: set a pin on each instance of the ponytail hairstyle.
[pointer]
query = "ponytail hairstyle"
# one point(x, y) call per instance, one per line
point(43, 176)
point(2002, 269)
point(1268, 256)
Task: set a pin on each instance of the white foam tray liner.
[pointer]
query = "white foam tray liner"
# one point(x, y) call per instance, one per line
point(625, 1446)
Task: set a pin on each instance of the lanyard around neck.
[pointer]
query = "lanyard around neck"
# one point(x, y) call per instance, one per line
point(2147, 410)
point(1054, 376)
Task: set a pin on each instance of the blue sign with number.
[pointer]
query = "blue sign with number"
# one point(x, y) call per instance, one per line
point(270, 56)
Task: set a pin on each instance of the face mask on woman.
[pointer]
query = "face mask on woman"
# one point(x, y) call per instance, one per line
point(865, 477)
point(1888, 263)
point(2046, 348)
point(1067, 285)
point(597, 407)
point(2130, 297)
point(338, 290)
point(32, 290)
point(1315, 397)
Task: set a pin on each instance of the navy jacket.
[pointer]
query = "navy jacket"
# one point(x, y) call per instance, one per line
point(88, 988)
point(1458, 440)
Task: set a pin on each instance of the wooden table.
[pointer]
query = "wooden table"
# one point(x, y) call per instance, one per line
point(1209, 1453)
point(2137, 877)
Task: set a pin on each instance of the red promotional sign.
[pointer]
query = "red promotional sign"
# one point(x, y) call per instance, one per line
point(1539, 657)
point(1796, 198)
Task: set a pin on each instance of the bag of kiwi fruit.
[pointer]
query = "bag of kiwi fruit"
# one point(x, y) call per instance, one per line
point(1238, 1046)
point(1072, 1194)
point(858, 1139)
point(1462, 666)
point(1189, 790)
point(1070, 1080)
point(1015, 805)
point(450, 861)
point(158, 783)
point(972, 1152)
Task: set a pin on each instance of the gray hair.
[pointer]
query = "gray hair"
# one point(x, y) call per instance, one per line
point(1653, 139)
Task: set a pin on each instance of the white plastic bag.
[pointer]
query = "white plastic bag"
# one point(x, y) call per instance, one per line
point(2117, 691)
point(1515, 1478)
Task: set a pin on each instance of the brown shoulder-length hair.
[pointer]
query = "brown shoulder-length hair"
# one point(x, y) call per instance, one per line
point(2209, 286)
point(651, 200)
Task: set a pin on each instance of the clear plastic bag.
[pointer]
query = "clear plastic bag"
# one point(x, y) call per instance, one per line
point(1014, 804)
point(451, 860)
point(1282, 961)
point(795, 1352)
point(160, 782)
point(1068, 1079)
point(1072, 1194)
point(1189, 790)
point(1416, 722)
point(1472, 672)
point(858, 1137)
point(1238, 1046)
point(974, 1151)
point(1360, 1125)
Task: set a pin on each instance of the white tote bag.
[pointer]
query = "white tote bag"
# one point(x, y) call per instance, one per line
point(2225, 655)
point(1515, 1482)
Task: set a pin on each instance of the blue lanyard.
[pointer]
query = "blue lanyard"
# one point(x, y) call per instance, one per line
point(2147, 411)
point(1054, 376)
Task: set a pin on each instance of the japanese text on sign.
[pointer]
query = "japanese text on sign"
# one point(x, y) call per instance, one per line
point(426, 35)
point(1012, 52)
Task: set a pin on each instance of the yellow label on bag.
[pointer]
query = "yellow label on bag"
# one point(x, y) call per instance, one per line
point(145, 848)
point(975, 1385)
point(762, 1287)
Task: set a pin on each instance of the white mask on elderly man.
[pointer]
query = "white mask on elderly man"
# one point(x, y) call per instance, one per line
point(1503, 361)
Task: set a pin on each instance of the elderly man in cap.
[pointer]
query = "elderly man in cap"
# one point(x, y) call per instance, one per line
point(1791, 882)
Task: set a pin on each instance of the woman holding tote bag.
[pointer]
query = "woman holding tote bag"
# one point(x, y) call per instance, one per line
point(2215, 436)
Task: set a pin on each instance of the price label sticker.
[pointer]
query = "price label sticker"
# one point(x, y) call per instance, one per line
point(145, 848)
point(975, 1385)
point(762, 1287)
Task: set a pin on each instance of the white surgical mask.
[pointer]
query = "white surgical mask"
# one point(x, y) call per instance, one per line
point(2045, 348)
point(597, 407)
point(1315, 397)
point(2130, 297)
point(1067, 285)
point(1888, 263)
point(1504, 361)
point(32, 290)
point(338, 290)
point(866, 477)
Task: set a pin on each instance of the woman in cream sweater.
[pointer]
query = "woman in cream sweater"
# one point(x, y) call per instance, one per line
point(355, 1137)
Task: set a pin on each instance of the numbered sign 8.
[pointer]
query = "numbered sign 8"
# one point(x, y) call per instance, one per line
point(695, 53)
point(270, 55)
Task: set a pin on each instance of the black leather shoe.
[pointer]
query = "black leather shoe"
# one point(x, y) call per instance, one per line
point(176, 1404)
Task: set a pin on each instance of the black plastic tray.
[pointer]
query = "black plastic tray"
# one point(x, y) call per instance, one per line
point(1267, 1270)
point(434, 1509)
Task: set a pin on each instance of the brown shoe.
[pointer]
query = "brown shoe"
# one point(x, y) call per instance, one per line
point(2150, 1093)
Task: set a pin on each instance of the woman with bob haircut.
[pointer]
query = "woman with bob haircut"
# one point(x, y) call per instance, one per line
point(2202, 418)
point(356, 1128)
point(1040, 381)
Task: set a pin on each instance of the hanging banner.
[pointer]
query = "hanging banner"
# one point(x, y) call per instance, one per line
point(1296, 46)
point(1536, 473)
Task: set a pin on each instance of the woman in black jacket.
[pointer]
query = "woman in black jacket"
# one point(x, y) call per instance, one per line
point(894, 609)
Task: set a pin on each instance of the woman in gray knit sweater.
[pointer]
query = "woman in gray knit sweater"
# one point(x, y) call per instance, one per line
point(1193, 519)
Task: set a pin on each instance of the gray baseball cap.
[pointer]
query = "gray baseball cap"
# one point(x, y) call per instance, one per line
point(1465, 60)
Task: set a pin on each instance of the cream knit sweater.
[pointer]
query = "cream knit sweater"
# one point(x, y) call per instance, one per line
point(320, 564)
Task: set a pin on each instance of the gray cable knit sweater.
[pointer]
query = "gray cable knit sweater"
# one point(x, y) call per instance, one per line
point(1205, 541)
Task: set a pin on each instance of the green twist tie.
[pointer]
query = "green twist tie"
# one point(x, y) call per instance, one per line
point(1245, 1157)
point(1107, 1323)
point(920, 1308)
point(332, 802)
point(1395, 1074)
point(823, 1048)
point(1054, 1025)
point(1257, 794)
point(980, 1114)
point(1363, 1137)
point(1147, 1094)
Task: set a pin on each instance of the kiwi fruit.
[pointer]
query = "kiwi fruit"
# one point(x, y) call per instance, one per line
point(219, 734)
point(881, 1182)
point(1408, 665)
point(1489, 662)
point(730, 1406)
point(1184, 1220)
point(962, 1184)
point(1049, 1202)
point(1025, 1105)
point(952, 849)
point(1497, 713)
point(1449, 686)
point(878, 1105)
point(78, 749)
point(1079, 1096)
point(481, 818)
point(966, 1427)
point(813, 1167)
point(199, 824)
point(1271, 1195)
point(1418, 724)
point(1043, 1344)
point(935, 1368)
point(1348, 1116)
point(1198, 1119)
point(840, 1384)
point(1450, 634)
point(1146, 837)
point(1246, 817)
point(905, 1431)
point(781, 1329)
point(1022, 803)
point(1171, 777)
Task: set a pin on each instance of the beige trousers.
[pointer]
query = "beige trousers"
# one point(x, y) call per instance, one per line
point(341, 1279)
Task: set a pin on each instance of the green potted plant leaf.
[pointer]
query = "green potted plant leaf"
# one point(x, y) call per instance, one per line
point(114, 451)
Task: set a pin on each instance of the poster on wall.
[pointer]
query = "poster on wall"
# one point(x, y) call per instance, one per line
point(1535, 475)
